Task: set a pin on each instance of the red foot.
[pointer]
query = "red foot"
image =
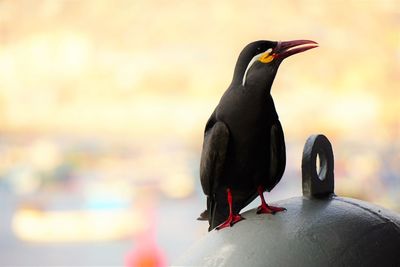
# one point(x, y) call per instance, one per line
point(265, 208)
point(269, 209)
point(232, 219)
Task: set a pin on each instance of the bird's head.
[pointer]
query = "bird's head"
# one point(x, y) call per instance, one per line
point(259, 61)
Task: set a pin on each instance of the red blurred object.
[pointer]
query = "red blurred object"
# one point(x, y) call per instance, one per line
point(146, 252)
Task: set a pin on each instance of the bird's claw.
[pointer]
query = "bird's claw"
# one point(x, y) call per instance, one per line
point(269, 209)
point(232, 219)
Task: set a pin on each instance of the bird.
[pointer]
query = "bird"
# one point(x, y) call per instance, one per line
point(243, 153)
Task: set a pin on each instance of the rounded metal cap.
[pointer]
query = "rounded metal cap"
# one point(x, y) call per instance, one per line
point(318, 228)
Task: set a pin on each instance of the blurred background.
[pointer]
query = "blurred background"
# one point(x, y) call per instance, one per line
point(103, 106)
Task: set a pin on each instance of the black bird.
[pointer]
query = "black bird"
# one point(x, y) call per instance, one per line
point(244, 148)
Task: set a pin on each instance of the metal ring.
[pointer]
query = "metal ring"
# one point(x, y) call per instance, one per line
point(317, 183)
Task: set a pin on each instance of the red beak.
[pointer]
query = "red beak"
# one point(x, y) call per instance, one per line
point(286, 49)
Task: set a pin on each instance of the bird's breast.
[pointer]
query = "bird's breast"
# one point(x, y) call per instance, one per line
point(246, 112)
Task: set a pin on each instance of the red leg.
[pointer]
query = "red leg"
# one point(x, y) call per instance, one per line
point(265, 208)
point(232, 218)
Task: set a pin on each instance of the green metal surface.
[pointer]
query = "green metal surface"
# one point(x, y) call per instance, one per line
point(318, 229)
point(331, 232)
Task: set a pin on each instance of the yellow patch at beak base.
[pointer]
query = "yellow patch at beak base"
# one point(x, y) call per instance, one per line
point(267, 57)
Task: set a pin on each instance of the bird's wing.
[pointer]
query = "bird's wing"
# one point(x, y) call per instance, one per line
point(213, 156)
point(212, 161)
point(278, 154)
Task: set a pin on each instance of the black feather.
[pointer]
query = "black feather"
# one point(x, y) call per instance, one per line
point(243, 144)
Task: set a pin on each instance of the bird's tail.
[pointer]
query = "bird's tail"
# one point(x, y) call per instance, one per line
point(209, 214)
point(212, 207)
point(205, 215)
point(218, 209)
